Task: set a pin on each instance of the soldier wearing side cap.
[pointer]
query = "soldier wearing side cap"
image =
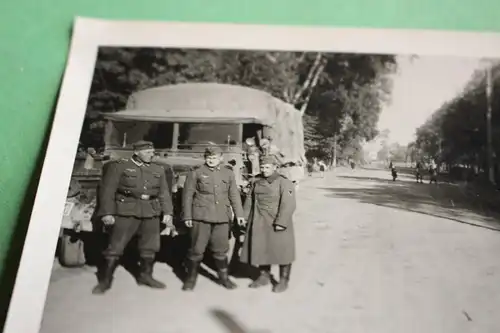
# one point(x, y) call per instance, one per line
point(270, 240)
point(134, 196)
point(209, 199)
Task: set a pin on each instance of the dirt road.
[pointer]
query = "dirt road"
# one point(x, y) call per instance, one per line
point(373, 256)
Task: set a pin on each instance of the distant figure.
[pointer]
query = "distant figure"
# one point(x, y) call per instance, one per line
point(310, 168)
point(394, 173)
point(322, 168)
point(418, 173)
point(433, 174)
point(353, 165)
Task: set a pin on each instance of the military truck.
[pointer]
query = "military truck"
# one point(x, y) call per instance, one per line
point(181, 120)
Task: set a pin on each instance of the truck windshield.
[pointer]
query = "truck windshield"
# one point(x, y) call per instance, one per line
point(192, 136)
point(124, 134)
point(195, 136)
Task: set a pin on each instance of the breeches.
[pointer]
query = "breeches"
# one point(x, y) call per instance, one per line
point(213, 234)
point(125, 228)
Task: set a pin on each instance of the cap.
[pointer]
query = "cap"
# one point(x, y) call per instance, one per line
point(213, 150)
point(264, 141)
point(143, 145)
point(268, 159)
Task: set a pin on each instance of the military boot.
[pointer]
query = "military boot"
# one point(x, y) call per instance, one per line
point(223, 272)
point(105, 276)
point(145, 277)
point(192, 275)
point(284, 278)
point(264, 278)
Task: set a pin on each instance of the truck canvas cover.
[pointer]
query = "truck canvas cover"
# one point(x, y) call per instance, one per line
point(210, 102)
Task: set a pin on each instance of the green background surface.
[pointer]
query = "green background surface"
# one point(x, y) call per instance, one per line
point(34, 40)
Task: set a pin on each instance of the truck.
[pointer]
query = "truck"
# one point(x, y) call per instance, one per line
point(181, 120)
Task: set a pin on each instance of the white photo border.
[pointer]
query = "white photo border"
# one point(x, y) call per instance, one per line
point(29, 294)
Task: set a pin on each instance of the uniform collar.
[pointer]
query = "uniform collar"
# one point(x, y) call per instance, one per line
point(272, 177)
point(217, 168)
point(137, 161)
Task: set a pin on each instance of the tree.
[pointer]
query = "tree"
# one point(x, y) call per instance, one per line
point(456, 133)
point(340, 95)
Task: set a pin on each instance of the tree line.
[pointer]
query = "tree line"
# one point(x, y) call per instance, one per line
point(455, 135)
point(339, 95)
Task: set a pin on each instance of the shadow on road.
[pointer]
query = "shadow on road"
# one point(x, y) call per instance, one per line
point(173, 253)
point(231, 324)
point(444, 200)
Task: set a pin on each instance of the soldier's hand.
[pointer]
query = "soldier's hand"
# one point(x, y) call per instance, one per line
point(279, 228)
point(241, 221)
point(188, 223)
point(170, 230)
point(168, 220)
point(108, 220)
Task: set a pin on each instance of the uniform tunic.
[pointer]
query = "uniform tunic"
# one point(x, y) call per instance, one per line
point(210, 196)
point(137, 195)
point(271, 202)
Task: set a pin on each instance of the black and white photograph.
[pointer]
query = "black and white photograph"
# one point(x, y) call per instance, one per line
point(260, 189)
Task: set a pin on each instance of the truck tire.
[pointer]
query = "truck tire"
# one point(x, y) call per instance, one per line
point(71, 252)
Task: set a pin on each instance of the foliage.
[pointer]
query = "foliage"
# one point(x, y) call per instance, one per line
point(456, 133)
point(340, 95)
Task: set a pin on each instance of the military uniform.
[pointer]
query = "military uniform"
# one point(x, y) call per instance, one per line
point(210, 197)
point(137, 195)
point(433, 174)
point(270, 232)
point(418, 173)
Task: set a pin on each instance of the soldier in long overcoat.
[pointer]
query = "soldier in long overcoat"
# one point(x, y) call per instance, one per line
point(133, 197)
point(270, 238)
point(210, 197)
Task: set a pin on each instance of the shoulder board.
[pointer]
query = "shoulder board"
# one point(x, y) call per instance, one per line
point(194, 168)
point(115, 162)
point(228, 167)
point(283, 176)
point(158, 165)
point(122, 160)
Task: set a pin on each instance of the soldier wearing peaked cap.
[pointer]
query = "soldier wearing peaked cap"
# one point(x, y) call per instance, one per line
point(270, 232)
point(210, 197)
point(133, 197)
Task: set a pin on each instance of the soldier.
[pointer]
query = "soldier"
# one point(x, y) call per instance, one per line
point(271, 239)
point(322, 168)
point(418, 173)
point(433, 173)
point(210, 191)
point(133, 196)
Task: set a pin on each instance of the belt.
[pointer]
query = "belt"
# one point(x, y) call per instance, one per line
point(137, 196)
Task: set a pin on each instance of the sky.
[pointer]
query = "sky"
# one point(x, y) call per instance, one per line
point(420, 87)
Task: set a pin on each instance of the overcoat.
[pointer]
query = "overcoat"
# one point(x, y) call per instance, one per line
point(271, 202)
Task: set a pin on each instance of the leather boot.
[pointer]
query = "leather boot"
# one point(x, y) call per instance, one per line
point(105, 276)
point(284, 278)
point(264, 278)
point(145, 277)
point(192, 275)
point(223, 272)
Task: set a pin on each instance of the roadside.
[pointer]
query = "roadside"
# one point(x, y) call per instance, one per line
point(369, 259)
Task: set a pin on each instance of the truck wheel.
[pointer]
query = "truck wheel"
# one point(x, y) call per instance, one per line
point(71, 253)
